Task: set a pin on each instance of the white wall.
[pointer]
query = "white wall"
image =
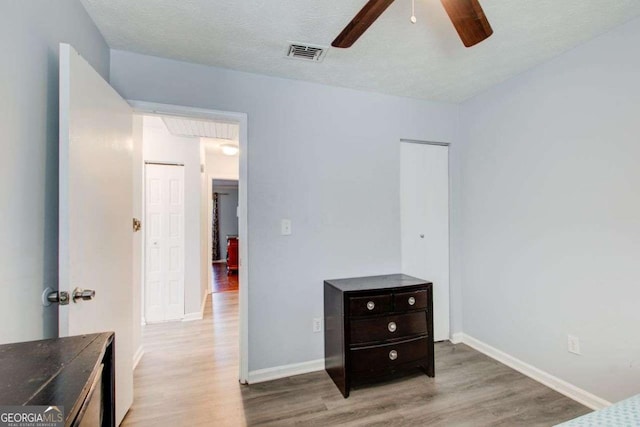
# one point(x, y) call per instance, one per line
point(220, 166)
point(325, 157)
point(161, 146)
point(30, 33)
point(551, 215)
point(205, 259)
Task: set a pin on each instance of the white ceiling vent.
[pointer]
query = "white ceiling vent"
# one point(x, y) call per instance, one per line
point(306, 52)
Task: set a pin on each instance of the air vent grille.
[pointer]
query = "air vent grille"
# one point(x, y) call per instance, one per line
point(306, 52)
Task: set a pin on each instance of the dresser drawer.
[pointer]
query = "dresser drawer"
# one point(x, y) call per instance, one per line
point(375, 304)
point(377, 329)
point(385, 357)
point(416, 300)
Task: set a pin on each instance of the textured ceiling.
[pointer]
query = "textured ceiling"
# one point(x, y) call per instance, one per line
point(425, 60)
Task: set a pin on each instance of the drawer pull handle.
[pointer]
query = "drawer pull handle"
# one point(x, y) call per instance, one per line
point(412, 300)
point(371, 305)
point(393, 355)
point(392, 327)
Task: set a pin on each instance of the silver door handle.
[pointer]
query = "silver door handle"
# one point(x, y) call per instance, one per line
point(83, 294)
point(49, 296)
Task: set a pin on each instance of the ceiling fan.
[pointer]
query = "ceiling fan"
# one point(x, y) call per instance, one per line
point(467, 17)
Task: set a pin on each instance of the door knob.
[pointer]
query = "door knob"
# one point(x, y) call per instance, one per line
point(83, 294)
point(49, 296)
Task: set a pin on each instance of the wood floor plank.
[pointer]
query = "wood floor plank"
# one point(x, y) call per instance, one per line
point(189, 377)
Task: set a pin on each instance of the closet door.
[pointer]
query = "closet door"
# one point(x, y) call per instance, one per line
point(424, 206)
point(164, 243)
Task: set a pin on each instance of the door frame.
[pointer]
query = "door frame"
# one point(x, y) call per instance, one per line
point(143, 107)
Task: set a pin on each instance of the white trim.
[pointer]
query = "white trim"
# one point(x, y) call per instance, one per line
point(551, 381)
point(137, 356)
point(209, 229)
point(243, 196)
point(269, 374)
point(456, 338)
point(189, 317)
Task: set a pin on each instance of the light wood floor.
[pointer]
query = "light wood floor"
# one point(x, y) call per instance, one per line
point(188, 377)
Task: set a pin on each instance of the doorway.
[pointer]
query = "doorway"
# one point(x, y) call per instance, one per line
point(424, 218)
point(189, 122)
point(224, 234)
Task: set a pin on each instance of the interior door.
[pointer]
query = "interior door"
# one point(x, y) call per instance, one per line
point(96, 230)
point(164, 247)
point(424, 205)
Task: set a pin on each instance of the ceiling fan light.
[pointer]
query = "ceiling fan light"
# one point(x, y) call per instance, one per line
point(229, 150)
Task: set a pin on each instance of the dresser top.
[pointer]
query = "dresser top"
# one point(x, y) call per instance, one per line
point(50, 372)
point(355, 284)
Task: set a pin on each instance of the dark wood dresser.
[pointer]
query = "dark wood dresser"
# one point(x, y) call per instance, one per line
point(76, 373)
point(376, 326)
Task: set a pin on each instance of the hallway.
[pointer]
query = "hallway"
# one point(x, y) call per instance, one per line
point(189, 372)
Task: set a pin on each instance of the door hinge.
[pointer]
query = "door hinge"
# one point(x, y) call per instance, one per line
point(137, 225)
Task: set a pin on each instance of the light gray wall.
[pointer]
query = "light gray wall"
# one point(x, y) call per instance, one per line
point(551, 215)
point(30, 32)
point(325, 157)
point(228, 216)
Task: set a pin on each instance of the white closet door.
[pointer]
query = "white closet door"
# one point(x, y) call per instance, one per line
point(424, 205)
point(164, 266)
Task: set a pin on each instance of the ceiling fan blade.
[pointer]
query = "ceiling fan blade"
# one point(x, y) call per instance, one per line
point(469, 20)
point(359, 24)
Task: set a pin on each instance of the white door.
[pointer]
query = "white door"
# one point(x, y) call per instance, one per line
point(96, 232)
point(424, 206)
point(164, 242)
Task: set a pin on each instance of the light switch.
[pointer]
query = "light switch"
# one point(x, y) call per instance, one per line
point(285, 227)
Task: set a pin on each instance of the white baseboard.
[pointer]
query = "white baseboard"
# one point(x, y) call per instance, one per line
point(571, 391)
point(137, 356)
point(190, 317)
point(456, 338)
point(268, 374)
point(197, 315)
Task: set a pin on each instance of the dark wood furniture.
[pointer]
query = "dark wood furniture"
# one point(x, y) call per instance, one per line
point(232, 253)
point(76, 373)
point(376, 326)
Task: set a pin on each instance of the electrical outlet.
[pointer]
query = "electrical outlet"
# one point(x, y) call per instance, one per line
point(573, 343)
point(317, 324)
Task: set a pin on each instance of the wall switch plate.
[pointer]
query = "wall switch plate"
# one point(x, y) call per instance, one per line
point(573, 344)
point(317, 324)
point(285, 227)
